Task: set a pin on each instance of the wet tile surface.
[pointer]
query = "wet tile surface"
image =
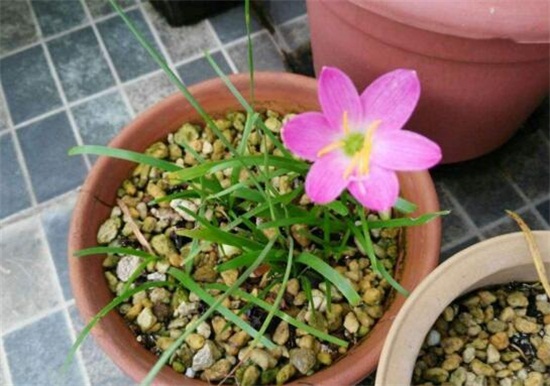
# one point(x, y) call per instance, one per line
point(100, 119)
point(52, 171)
point(28, 283)
point(455, 226)
point(200, 69)
point(146, 92)
point(182, 42)
point(13, 194)
point(100, 8)
point(230, 25)
point(129, 58)
point(529, 167)
point(544, 210)
point(510, 226)
point(266, 55)
point(58, 16)
point(36, 353)
point(481, 188)
point(55, 221)
point(22, 74)
point(284, 10)
point(17, 28)
point(101, 370)
point(82, 69)
point(296, 33)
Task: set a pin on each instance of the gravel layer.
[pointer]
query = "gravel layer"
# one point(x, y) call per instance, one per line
point(493, 336)
point(159, 315)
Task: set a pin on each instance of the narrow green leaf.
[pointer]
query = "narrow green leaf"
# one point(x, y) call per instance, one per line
point(127, 155)
point(331, 274)
point(113, 250)
point(338, 207)
point(249, 47)
point(407, 222)
point(281, 315)
point(187, 174)
point(104, 311)
point(404, 206)
point(248, 258)
point(284, 222)
point(216, 306)
point(218, 236)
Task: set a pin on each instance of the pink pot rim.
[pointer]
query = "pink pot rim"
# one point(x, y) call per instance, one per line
point(520, 21)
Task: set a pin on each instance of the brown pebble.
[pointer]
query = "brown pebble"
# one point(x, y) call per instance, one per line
point(500, 340)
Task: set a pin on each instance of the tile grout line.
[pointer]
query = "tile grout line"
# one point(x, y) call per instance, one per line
point(35, 318)
point(29, 212)
point(221, 47)
point(69, 113)
point(243, 39)
point(19, 154)
point(5, 368)
point(65, 310)
point(58, 85)
point(462, 212)
point(63, 33)
point(107, 58)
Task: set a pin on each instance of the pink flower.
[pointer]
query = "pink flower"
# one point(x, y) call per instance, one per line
point(357, 141)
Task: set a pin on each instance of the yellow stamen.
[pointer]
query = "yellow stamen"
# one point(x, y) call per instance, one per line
point(345, 123)
point(330, 147)
point(354, 161)
point(362, 157)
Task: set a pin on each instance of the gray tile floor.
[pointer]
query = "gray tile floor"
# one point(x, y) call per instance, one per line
point(71, 74)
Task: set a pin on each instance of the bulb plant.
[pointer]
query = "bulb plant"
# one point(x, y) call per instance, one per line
point(255, 204)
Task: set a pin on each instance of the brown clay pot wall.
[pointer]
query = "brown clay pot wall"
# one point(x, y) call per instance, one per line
point(280, 92)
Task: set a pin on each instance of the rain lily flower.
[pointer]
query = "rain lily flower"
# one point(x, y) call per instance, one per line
point(357, 142)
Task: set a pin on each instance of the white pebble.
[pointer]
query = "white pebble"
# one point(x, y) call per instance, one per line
point(126, 267)
point(434, 338)
point(178, 203)
point(156, 276)
point(190, 373)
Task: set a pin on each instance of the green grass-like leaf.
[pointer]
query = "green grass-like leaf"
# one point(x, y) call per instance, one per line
point(407, 221)
point(331, 274)
point(113, 250)
point(282, 315)
point(104, 311)
point(127, 155)
point(218, 236)
point(187, 174)
point(404, 206)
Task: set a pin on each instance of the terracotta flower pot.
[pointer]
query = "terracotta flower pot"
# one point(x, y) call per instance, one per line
point(280, 92)
point(483, 65)
point(499, 260)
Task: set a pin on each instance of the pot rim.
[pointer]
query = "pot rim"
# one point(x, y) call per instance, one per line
point(493, 261)
point(360, 360)
point(522, 22)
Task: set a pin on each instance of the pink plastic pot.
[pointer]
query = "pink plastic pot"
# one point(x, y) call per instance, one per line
point(484, 66)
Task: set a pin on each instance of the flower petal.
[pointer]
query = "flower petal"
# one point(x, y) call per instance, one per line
point(404, 150)
point(378, 191)
point(325, 180)
point(391, 98)
point(307, 133)
point(338, 94)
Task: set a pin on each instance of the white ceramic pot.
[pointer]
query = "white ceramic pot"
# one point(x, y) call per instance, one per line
point(498, 260)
